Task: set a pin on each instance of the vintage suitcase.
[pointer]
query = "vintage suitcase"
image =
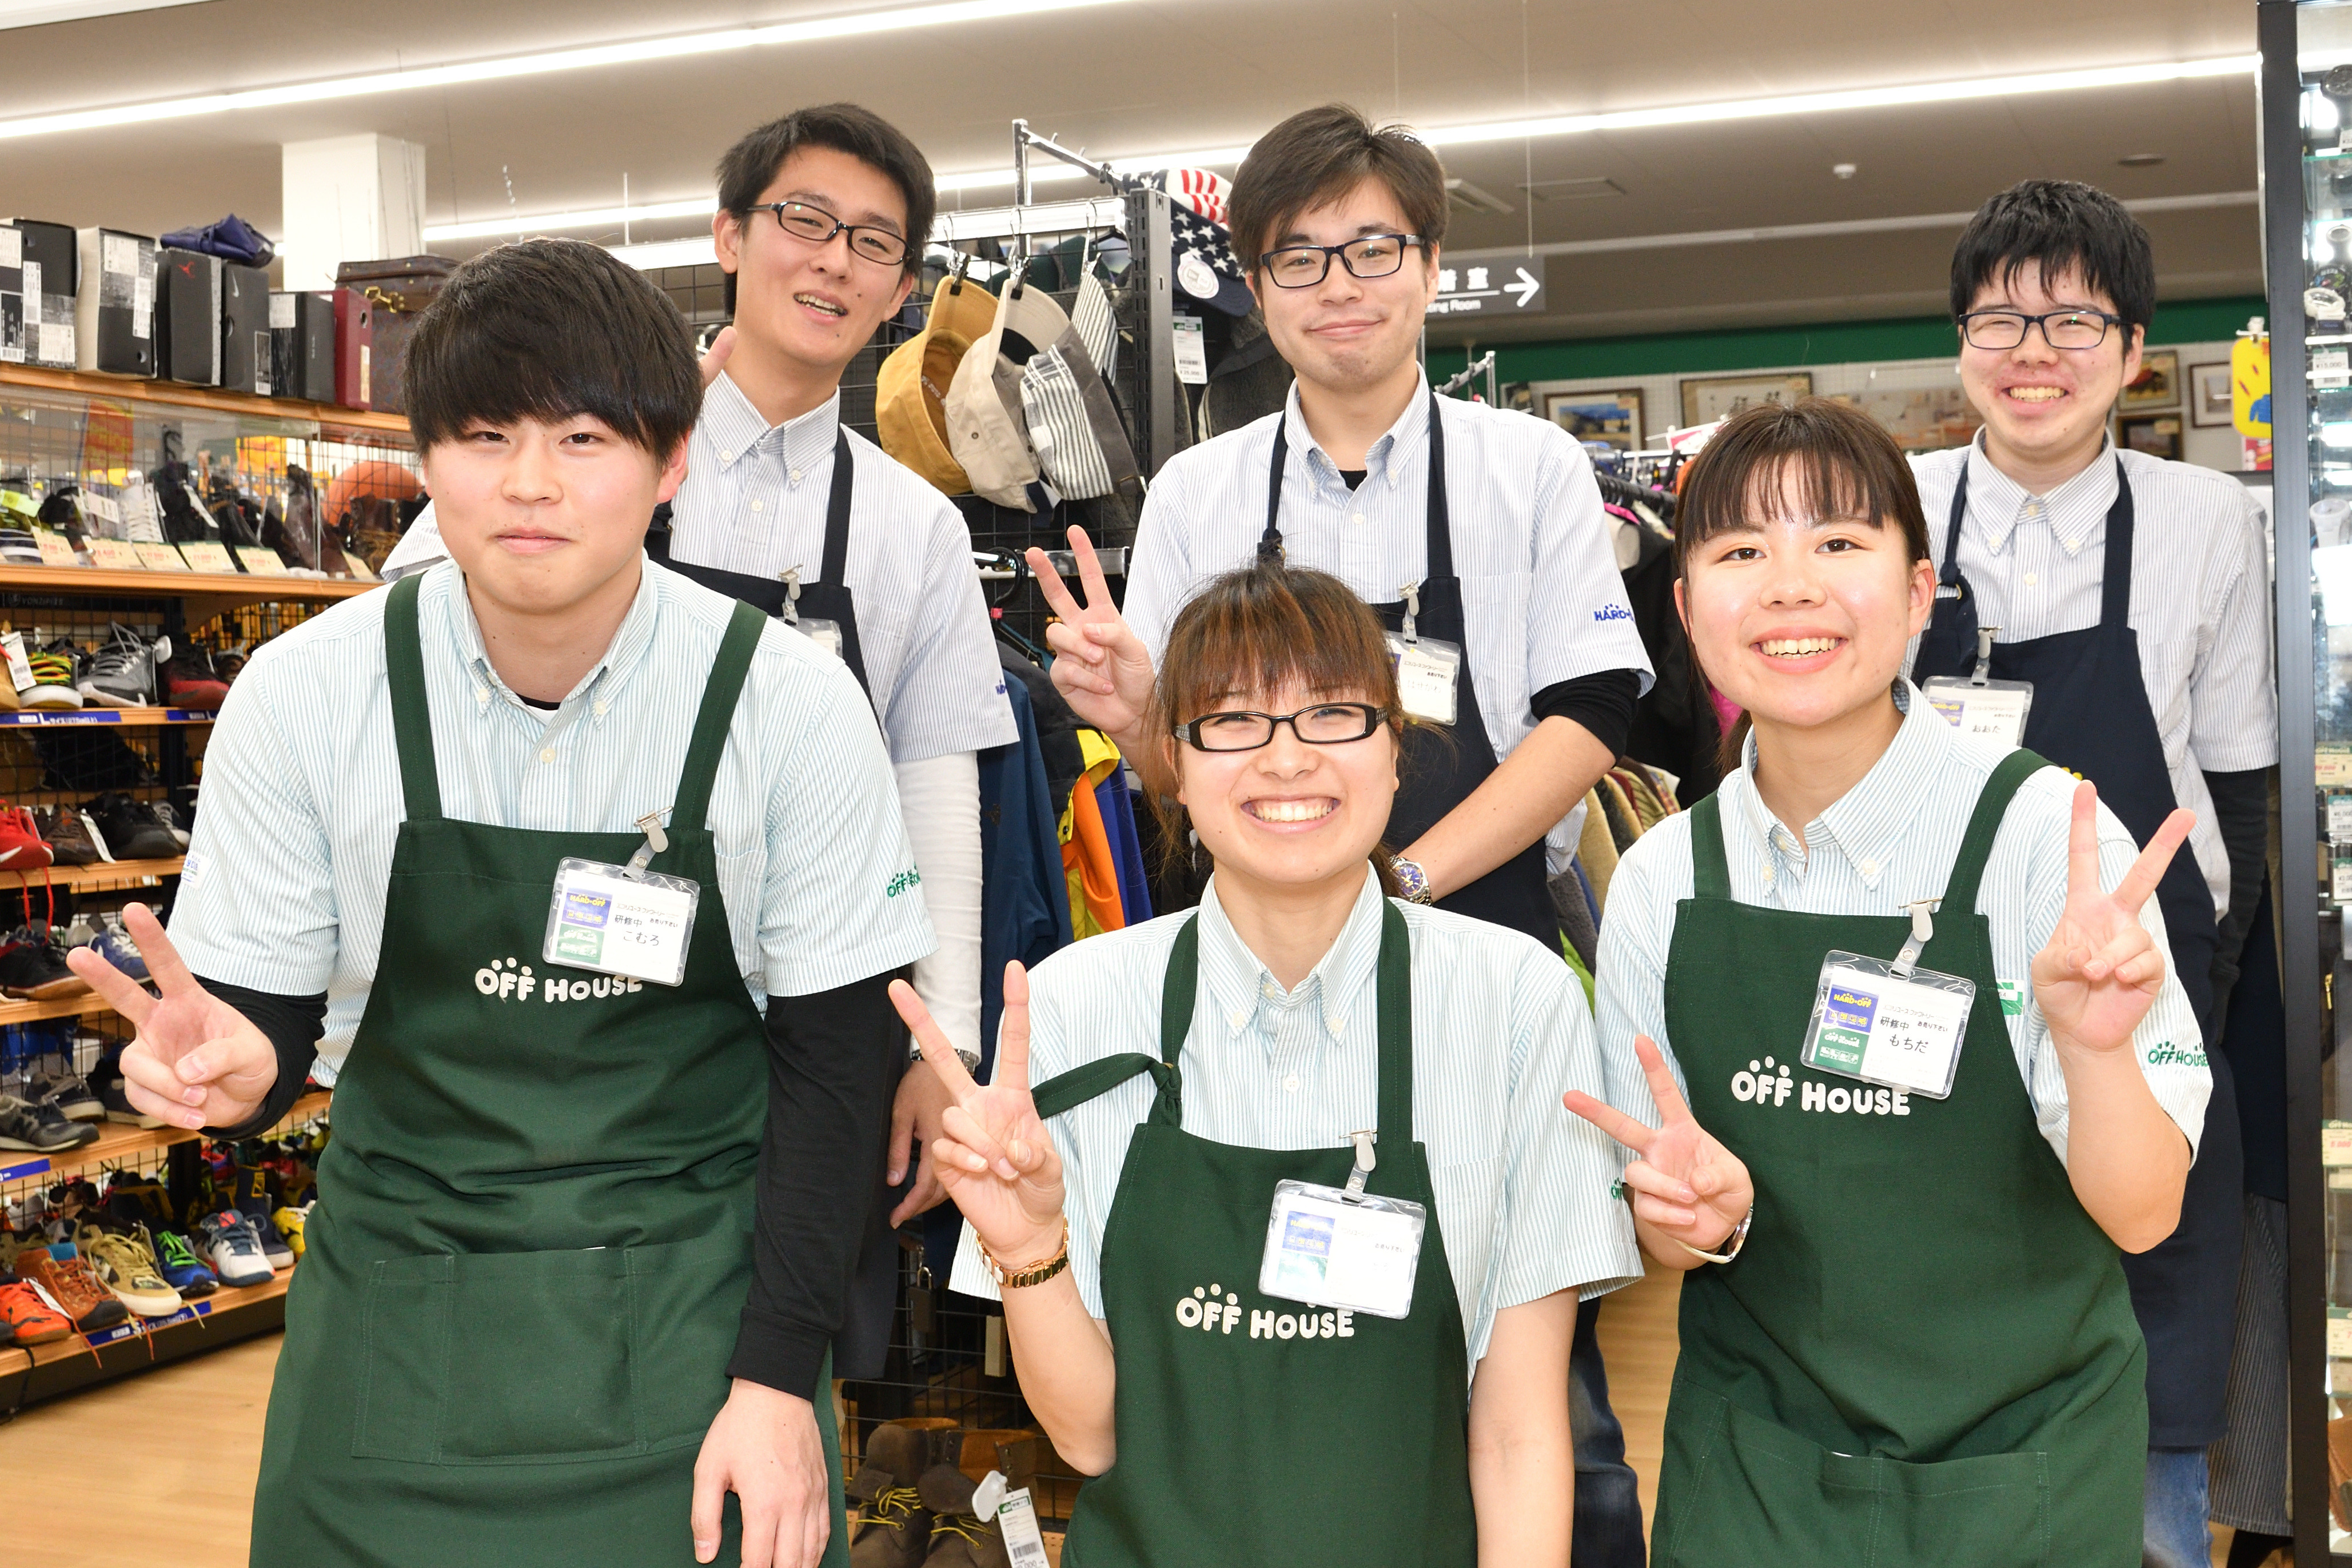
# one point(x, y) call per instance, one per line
point(399, 289)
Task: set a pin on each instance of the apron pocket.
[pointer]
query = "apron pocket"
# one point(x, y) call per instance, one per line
point(686, 1307)
point(497, 1358)
point(1754, 1491)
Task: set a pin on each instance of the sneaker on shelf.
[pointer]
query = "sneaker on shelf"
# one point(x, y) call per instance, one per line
point(177, 823)
point(232, 1248)
point(33, 966)
point(135, 1200)
point(56, 1121)
point(23, 1127)
point(66, 1282)
point(70, 1092)
point(115, 945)
point(289, 1221)
point(19, 548)
point(121, 672)
point(66, 835)
point(22, 847)
point(181, 1267)
point(191, 681)
point(53, 677)
point(81, 934)
point(140, 523)
point(29, 1319)
point(127, 1266)
point(130, 830)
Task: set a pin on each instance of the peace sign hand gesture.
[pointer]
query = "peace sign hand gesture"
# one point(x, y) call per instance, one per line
point(1687, 1186)
point(195, 1061)
point(1099, 666)
point(994, 1155)
point(2101, 971)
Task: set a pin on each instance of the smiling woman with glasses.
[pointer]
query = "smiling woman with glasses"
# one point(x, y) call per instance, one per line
point(1291, 1171)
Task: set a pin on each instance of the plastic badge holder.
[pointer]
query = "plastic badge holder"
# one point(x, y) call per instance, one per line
point(1428, 671)
point(623, 920)
point(1892, 1024)
point(1343, 1246)
point(1982, 707)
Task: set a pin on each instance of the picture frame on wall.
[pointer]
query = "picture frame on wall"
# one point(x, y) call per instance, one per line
point(1614, 417)
point(2157, 385)
point(2158, 434)
point(2208, 395)
point(1706, 399)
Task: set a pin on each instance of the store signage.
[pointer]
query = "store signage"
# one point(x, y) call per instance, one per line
point(1505, 288)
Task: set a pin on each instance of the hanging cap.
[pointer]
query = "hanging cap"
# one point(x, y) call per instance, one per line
point(911, 389)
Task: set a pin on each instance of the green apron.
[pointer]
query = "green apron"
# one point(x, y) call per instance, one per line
point(1926, 1351)
point(1271, 1432)
point(532, 1243)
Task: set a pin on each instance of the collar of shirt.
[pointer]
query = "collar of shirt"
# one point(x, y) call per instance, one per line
point(737, 430)
point(1867, 824)
point(1240, 984)
point(622, 655)
point(2075, 513)
point(1388, 459)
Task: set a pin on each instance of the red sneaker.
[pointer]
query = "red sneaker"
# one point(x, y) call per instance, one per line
point(22, 848)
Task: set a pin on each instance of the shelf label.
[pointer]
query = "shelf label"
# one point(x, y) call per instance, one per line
point(2332, 767)
point(25, 1169)
point(56, 548)
point(116, 554)
point(208, 555)
point(83, 716)
point(2339, 1331)
point(261, 560)
point(160, 558)
point(2340, 819)
point(2335, 1142)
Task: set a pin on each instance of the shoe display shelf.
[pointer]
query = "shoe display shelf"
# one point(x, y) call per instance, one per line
point(33, 1373)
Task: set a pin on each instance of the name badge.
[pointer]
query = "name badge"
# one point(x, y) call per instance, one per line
point(605, 919)
point(1330, 1247)
point(1993, 710)
point(1428, 673)
point(825, 634)
point(1902, 1031)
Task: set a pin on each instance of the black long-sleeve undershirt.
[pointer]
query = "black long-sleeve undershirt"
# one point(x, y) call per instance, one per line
point(1602, 702)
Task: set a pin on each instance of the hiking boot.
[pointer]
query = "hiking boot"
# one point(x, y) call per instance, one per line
point(67, 1283)
point(891, 1529)
point(126, 1267)
point(40, 1128)
point(959, 1537)
point(29, 1319)
point(31, 966)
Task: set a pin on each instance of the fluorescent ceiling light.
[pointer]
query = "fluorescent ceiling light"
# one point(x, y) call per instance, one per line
point(633, 52)
point(1471, 135)
point(40, 13)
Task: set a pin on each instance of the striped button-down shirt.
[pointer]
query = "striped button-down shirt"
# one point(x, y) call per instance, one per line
point(1889, 841)
point(1500, 1031)
point(1541, 599)
point(2199, 599)
point(285, 883)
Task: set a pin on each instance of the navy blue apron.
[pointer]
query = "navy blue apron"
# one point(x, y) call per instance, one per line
point(2090, 716)
point(1439, 771)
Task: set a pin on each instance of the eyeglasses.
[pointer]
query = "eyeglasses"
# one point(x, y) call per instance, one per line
point(1325, 723)
point(883, 247)
point(2070, 329)
point(1304, 265)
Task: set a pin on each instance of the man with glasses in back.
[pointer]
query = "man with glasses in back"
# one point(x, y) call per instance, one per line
point(2121, 601)
point(1478, 535)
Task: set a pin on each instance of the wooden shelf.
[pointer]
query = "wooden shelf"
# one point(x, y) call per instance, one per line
point(105, 873)
point(209, 400)
point(28, 1373)
point(121, 718)
point(120, 1140)
point(208, 593)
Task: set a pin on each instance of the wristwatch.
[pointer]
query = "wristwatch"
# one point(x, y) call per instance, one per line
point(970, 1059)
point(1412, 880)
point(1036, 1273)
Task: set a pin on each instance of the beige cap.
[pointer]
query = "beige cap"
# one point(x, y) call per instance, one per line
point(910, 392)
point(986, 430)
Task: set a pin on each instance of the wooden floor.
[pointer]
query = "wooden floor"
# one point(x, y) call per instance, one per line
point(194, 1431)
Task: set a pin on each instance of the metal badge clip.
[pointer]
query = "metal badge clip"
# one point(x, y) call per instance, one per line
point(656, 841)
point(1985, 635)
point(1923, 931)
point(793, 597)
point(1412, 592)
point(1365, 1160)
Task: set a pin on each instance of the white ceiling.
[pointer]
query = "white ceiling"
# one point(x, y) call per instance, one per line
point(1147, 75)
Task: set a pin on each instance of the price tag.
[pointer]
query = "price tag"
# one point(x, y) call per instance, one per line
point(1993, 712)
point(58, 342)
point(2331, 368)
point(1428, 673)
point(100, 508)
point(2339, 1331)
point(1016, 1519)
point(142, 305)
point(1352, 1250)
point(2339, 879)
point(2332, 767)
point(602, 918)
point(2340, 819)
point(2335, 1142)
point(115, 554)
point(20, 669)
point(1901, 1031)
point(261, 560)
point(160, 558)
point(207, 555)
point(54, 548)
point(1192, 351)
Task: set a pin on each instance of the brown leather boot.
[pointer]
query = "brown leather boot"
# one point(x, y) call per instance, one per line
point(891, 1527)
point(960, 1539)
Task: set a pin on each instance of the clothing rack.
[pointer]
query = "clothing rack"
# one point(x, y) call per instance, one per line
point(1483, 365)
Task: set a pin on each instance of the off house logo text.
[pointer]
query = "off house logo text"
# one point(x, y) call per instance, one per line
point(1201, 1310)
point(1763, 1083)
point(508, 982)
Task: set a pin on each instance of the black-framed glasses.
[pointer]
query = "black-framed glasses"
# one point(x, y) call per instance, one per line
point(2073, 330)
point(1304, 265)
point(883, 247)
point(1325, 723)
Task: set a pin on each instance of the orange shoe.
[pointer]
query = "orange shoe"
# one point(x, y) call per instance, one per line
point(27, 1319)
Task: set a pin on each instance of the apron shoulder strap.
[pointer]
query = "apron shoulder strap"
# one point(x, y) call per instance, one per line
point(1992, 804)
point(412, 719)
point(2116, 569)
point(836, 514)
point(1950, 574)
point(1090, 1080)
point(1395, 995)
point(709, 739)
point(1710, 871)
point(1084, 1081)
point(1269, 543)
point(1440, 520)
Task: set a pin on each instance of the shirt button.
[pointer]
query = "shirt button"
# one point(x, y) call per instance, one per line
point(1360, 517)
point(547, 754)
point(1291, 1084)
point(2033, 580)
point(759, 505)
point(2073, 544)
point(600, 710)
point(1870, 868)
point(727, 458)
point(1270, 989)
point(796, 476)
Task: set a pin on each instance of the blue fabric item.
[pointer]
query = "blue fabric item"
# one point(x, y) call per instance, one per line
point(2176, 1533)
point(231, 239)
point(1118, 808)
point(1585, 882)
point(1025, 900)
point(1607, 1532)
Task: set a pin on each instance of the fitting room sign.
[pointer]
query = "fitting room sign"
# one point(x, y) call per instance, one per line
point(1506, 287)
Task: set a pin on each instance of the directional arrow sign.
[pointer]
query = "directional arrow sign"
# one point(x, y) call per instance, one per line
point(1489, 287)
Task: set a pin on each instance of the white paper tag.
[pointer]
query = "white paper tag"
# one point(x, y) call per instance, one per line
point(2340, 881)
point(2335, 1142)
point(20, 669)
point(1882, 1028)
point(2329, 367)
point(281, 311)
point(616, 925)
point(12, 246)
point(825, 634)
point(1016, 1519)
point(1192, 351)
point(100, 508)
point(1995, 711)
point(1355, 1251)
point(32, 292)
point(57, 342)
point(117, 253)
point(2340, 819)
point(142, 306)
point(1429, 673)
point(2339, 1331)
point(261, 364)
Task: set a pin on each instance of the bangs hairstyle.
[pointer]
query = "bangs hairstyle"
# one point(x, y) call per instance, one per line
point(1317, 156)
point(1829, 459)
point(550, 329)
point(1256, 630)
point(749, 166)
point(2058, 225)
